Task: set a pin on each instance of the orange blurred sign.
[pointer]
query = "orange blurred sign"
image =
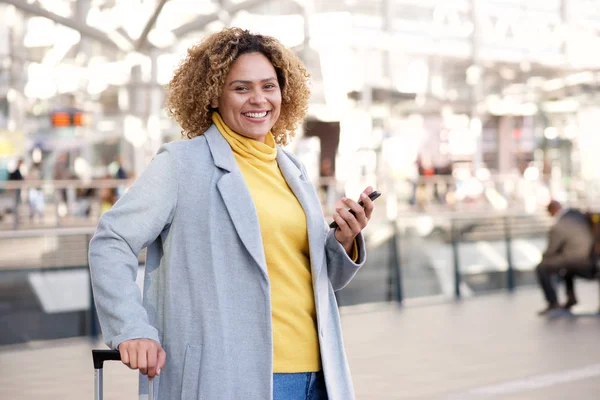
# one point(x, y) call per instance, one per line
point(62, 119)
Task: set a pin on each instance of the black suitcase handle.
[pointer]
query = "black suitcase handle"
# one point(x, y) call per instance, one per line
point(100, 356)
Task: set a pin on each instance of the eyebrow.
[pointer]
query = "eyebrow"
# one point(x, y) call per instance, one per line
point(250, 82)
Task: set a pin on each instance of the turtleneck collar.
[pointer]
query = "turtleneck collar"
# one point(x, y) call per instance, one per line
point(249, 149)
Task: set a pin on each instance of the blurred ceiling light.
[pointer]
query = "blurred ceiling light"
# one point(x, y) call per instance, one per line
point(134, 131)
point(36, 155)
point(473, 74)
point(165, 65)
point(132, 15)
point(452, 94)
point(447, 111)
point(551, 133)
point(114, 73)
point(40, 32)
point(508, 73)
point(120, 40)
point(178, 12)
point(11, 95)
point(553, 84)
point(81, 58)
point(123, 99)
point(63, 44)
point(58, 7)
point(134, 58)
point(437, 85)
point(154, 127)
point(161, 38)
point(10, 15)
point(100, 19)
point(106, 126)
point(97, 86)
point(579, 78)
point(68, 77)
point(40, 89)
point(525, 66)
point(531, 173)
point(560, 106)
point(483, 174)
point(570, 132)
point(415, 76)
point(82, 168)
point(475, 126)
point(535, 81)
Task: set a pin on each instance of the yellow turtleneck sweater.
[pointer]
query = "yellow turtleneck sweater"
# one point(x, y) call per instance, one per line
point(285, 241)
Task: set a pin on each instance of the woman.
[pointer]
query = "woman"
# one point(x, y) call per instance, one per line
point(241, 266)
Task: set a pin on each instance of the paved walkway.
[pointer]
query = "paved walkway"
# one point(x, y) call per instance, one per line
point(485, 347)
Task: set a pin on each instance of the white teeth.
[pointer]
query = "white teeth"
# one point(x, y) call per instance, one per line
point(256, 115)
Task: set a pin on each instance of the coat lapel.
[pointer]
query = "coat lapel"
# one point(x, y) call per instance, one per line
point(305, 194)
point(237, 198)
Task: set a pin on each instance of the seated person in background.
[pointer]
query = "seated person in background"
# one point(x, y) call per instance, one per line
point(569, 253)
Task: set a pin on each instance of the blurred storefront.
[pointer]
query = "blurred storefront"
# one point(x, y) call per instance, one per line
point(462, 88)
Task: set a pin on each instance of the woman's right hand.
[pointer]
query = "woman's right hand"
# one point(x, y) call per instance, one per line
point(147, 355)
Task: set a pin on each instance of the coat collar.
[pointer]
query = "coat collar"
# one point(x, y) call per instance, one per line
point(240, 205)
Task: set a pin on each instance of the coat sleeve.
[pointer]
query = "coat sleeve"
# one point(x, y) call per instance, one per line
point(134, 222)
point(340, 267)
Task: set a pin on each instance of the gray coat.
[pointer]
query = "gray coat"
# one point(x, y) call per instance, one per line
point(206, 290)
point(570, 241)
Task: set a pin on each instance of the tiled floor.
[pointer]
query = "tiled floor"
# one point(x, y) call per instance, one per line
point(485, 347)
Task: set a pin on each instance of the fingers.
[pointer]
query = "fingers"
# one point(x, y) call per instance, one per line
point(124, 354)
point(142, 363)
point(367, 202)
point(355, 221)
point(359, 213)
point(144, 354)
point(152, 359)
point(162, 358)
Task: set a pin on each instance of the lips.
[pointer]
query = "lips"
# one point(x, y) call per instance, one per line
point(256, 114)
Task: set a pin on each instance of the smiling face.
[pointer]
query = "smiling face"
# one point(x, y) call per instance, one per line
point(250, 101)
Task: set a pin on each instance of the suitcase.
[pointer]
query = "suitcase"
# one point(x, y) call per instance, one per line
point(99, 357)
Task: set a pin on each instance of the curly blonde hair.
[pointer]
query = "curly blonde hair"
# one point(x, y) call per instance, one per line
point(199, 79)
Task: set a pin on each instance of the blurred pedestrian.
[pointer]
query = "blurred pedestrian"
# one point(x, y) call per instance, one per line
point(569, 253)
point(16, 176)
point(241, 266)
point(35, 195)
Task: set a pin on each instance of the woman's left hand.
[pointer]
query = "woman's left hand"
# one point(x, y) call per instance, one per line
point(351, 225)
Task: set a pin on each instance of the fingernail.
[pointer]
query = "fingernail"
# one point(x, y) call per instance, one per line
point(363, 196)
point(344, 198)
point(158, 371)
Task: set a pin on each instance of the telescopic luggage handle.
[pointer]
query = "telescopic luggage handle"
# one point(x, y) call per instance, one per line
point(99, 356)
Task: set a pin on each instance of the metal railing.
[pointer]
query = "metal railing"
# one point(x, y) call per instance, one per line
point(448, 257)
point(33, 204)
point(45, 289)
point(44, 277)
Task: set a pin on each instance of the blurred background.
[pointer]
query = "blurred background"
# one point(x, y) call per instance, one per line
point(468, 115)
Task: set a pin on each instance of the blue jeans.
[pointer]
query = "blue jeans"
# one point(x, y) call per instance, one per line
point(299, 386)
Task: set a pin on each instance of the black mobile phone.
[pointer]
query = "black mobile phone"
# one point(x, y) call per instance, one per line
point(374, 195)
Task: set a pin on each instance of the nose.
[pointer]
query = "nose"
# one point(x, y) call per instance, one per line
point(258, 97)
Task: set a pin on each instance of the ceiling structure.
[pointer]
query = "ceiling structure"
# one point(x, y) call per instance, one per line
point(445, 51)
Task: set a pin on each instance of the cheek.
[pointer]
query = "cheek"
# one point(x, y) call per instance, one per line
point(277, 101)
